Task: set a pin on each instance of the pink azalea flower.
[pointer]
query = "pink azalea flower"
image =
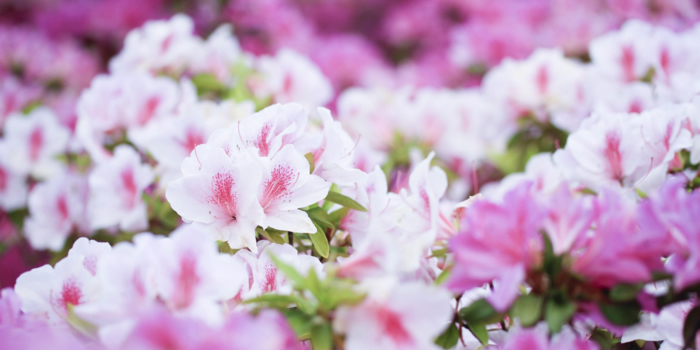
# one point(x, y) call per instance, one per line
point(409, 316)
point(116, 187)
point(263, 274)
point(57, 208)
point(123, 102)
point(32, 143)
point(192, 277)
point(287, 186)
point(498, 243)
point(291, 77)
point(220, 193)
point(13, 187)
point(46, 292)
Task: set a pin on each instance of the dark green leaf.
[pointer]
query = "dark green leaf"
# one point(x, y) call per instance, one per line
point(478, 311)
point(623, 314)
point(322, 337)
point(320, 241)
point(625, 292)
point(557, 313)
point(345, 201)
point(449, 338)
point(528, 309)
point(691, 328)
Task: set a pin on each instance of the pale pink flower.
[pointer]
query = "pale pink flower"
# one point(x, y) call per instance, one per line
point(220, 193)
point(291, 77)
point(158, 46)
point(406, 316)
point(46, 292)
point(117, 103)
point(333, 158)
point(13, 187)
point(192, 277)
point(174, 140)
point(267, 131)
point(57, 208)
point(33, 142)
point(263, 274)
point(116, 187)
point(546, 84)
point(287, 186)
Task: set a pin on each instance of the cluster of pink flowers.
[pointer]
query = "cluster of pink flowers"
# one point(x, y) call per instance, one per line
point(203, 196)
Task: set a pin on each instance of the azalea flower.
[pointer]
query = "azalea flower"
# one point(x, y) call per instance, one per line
point(58, 208)
point(116, 187)
point(409, 316)
point(33, 142)
point(220, 193)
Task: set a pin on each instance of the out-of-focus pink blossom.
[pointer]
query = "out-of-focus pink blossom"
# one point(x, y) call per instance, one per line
point(116, 188)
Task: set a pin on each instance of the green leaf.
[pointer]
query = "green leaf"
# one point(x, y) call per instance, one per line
point(345, 201)
point(320, 241)
point(528, 309)
point(552, 263)
point(313, 284)
point(320, 217)
point(443, 276)
point(641, 194)
point(322, 337)
point(557, 313)
point(479, 331)
point(338, 215)
point(623, 314)
point(310, 158)
point(449, 338)
point(478, 311)
point(270, 236)
point(207, 82)
point(625, 292)
point(343, 296)
point(290, 272)
point(299, 321)
point(275, 301)
point(79, 324)
point(439, 253)
point(691, 328)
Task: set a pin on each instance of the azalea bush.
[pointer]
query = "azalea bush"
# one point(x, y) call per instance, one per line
point(288, 185)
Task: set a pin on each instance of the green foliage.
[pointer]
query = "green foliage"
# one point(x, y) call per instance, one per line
point(625, 292)
point(345, 201)
point(449, 338)
point(691, 328)
point(528, 309)
point(623, 314)
point(320, 241)
point(558, 311)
